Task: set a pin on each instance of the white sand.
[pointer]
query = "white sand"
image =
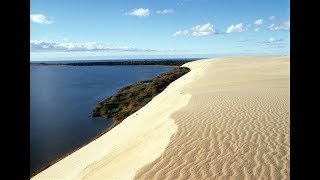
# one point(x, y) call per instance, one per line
point(226, 119)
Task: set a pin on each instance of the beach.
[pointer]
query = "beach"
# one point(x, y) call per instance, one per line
point(229, 118)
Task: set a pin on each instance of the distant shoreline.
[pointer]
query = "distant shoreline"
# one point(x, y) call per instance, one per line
point(101, 65)
point(174, 62)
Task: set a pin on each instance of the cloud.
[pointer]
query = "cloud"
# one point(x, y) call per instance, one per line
point(40, 19)
point(140, 12)
point(45, 46)
point(256, 29)
point(203, 30)
point(236, 28)
point(181, 33)
point(258, 22)
point(272, 17)
point(198, 30)
point(281, 27)
point(165, 11)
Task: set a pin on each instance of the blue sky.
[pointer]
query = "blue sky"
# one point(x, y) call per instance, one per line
point(115, 29)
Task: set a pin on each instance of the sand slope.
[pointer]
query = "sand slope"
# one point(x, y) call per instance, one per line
point(137, 141)
point(236, 125)
point(226, 119)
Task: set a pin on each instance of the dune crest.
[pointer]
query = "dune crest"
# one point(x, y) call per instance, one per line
point(138, 140)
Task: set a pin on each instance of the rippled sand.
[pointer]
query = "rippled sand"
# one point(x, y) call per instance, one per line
point(236, 125)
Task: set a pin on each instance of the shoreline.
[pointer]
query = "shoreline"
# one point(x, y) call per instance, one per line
point(116, 121)
point(76, 149)
point(164, 62)
point(131, 98)
point(115, 124)
point(106, 65)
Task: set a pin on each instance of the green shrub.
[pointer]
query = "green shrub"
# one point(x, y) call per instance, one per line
point(131, 98)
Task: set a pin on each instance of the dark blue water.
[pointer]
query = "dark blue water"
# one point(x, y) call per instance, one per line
point(61, 99)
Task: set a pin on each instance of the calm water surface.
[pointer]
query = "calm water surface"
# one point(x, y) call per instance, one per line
point(61, 99)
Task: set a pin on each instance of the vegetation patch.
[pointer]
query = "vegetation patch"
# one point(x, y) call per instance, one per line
point(133, 97)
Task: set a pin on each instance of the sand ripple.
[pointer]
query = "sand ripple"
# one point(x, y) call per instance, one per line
point(235, 126)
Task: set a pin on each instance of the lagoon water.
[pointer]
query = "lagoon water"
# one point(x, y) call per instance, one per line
point(61, 99)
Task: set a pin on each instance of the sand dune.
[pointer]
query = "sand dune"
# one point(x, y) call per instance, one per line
point(226, 119)
point(236, 125)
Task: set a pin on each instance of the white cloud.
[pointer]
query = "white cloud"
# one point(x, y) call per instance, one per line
point(181, 33)
point(284, 27)
point(40, 19)
point(45, 46)
point(248, 25)
point(140, 12)
point(272, 17)
point(203, 30)
point(236, 28)
point(258, 22)
point(256, 29)
point(199, 30)
point(165, 11)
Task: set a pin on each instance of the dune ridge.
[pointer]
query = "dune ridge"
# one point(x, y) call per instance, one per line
point(236, 125)
point(137, 141)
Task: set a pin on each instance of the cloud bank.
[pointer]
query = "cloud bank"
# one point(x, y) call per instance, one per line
point(45, 46)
